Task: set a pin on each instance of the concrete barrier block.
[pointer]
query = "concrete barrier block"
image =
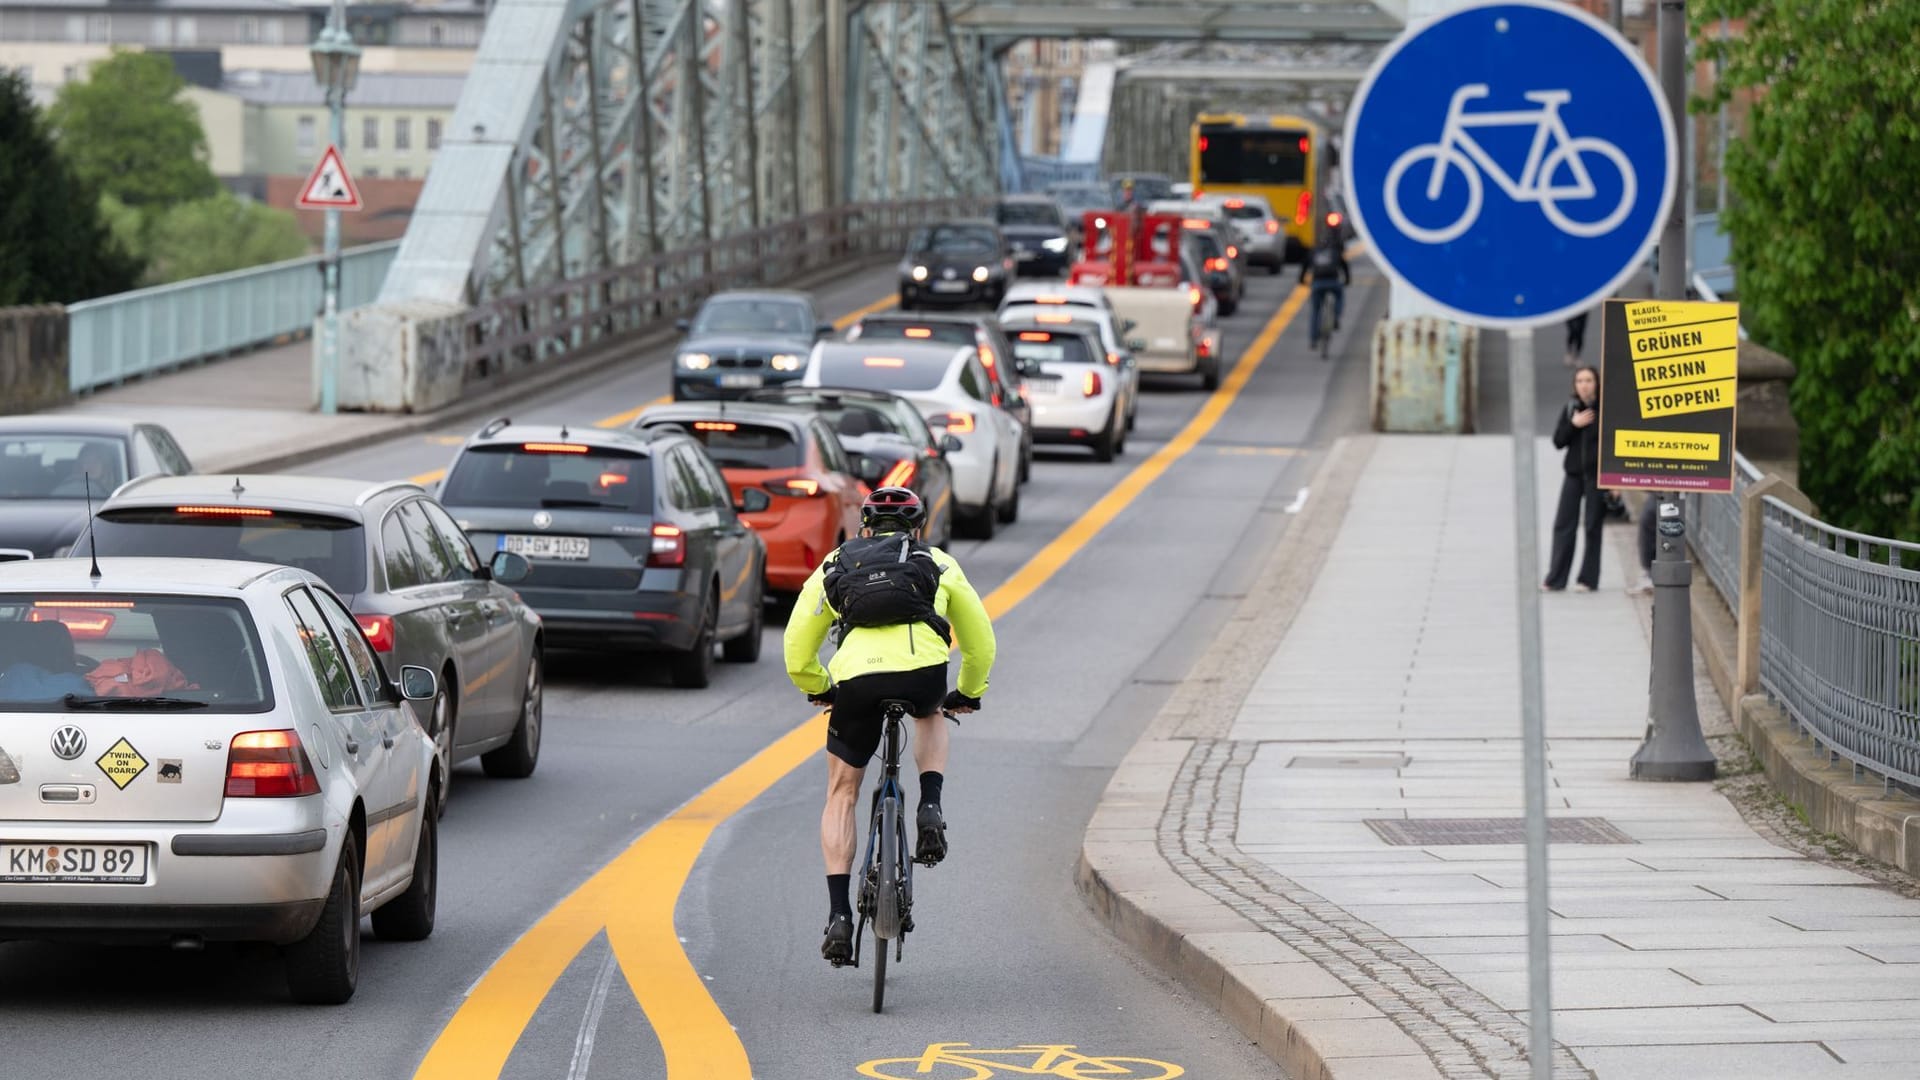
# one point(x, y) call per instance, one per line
point(33, 358)
point(399, 357)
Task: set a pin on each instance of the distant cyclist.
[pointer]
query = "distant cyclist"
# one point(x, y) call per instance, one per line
point(1326, 267)
point(893, 605)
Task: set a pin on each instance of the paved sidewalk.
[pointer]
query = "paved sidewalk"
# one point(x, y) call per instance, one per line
point(1387, 695)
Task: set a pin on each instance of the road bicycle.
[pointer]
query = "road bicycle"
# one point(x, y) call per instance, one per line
point(1323, 318)
point(886, 879)
point(960, 1061)
point(1457, 148)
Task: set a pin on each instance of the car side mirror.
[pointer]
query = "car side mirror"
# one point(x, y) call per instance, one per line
point(418, 683)
point(753, 501)
point(825, 329)
point(509, 568)
point(1127, 325)
point(869, 469)
point(951, 443)
point(683, 325)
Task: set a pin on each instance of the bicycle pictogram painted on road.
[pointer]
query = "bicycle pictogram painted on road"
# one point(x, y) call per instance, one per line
point(1555, 172)
point(963, 1061)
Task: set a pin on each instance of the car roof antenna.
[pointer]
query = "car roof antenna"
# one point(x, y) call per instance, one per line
point(93, 548)
point(563, 433)
point(238, 490)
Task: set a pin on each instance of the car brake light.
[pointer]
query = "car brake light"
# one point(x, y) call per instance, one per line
point(1305, 145)
point(715, 425)
point(900, 475)
point(1049, 299)
point(553, 448)
point(80, 622)
point(1193, 296)
point(1272, 226)
point(799, 485)
point(1113, 359)
point(269, 765)
point(1195, 223)
point(1203, 142)
point(1333, 219)
point(1206, 348)
point(1090, 384)
point(1216, 264)
point(379, 631)
point(1035, 335)
point(1232, 252)
point(957, 423)
point(1305, 206)
point(1236, 204)
point(612, 479)
point(224, 511)
point(987, 358)
point(919, 332)
point(884, 361)
point(669, 546)
point(1053, 320)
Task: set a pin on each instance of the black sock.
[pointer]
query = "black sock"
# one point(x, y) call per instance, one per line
point(930, 785)
point(837, 894)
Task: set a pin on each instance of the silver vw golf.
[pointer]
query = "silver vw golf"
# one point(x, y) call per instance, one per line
point(193, 750)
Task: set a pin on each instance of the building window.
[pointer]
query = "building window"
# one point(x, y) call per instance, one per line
point(303, 133)
point(403, 174)
point(272, 29)
point(370, 133)
point(370, 173)
point(184, 30)
point(433, 134)
point(76, 28)
point(402, 133)
point(249, 29)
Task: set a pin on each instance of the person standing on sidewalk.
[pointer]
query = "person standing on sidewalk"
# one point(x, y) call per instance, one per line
point(1578, 433)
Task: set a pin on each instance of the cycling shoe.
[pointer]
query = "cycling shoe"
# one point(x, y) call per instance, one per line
point(933, 836)
point(838, 948)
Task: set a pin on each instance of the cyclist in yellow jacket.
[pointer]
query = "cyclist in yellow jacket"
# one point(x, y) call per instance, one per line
point(895, 646)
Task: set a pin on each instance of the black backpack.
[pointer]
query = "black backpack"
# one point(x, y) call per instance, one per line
point(1326, 264)
point(888, 580)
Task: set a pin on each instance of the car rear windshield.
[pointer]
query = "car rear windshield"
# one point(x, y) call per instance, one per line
point(332, 548)
point(1027, 213)
point(752, 315)
point(739, 445)
point(854, 417)
point(106, 651)
point(1254, 157)
point(946, 333)
point(512, 476)
point(1051, 348)
point(872, 370)
point(957, 240)
point(57, 466)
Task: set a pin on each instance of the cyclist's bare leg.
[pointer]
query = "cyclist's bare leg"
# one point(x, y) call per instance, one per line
point(930, 755)
point(930, 743)
point(836, 821)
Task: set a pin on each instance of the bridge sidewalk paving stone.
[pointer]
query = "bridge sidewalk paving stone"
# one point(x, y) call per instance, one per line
point(1699, 949)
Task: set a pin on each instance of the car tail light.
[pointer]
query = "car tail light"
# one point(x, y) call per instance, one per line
point(1305, 207)
point(1333, 219)
point(379, 631)
point(1035, 335)
point(957, 423)
point(1232, 252)
point(224, 511)
point(669, 546)
point(919, 332)
point(901, 474)
point(1305, 144)
point(715, 425)
point(987, 358)
point(1193, 296)
point(269, 765)
point(1090, 384)
point(1113, 359)
point(80, 622)
point(1198, 224)
point(884, 361)
point(1216, 264)
point(1273, 226)
point(1236, 204)
point(553, 448)
point(798, 486)
point(1205, 348)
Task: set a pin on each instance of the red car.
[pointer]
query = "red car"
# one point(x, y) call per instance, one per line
point(794, 456)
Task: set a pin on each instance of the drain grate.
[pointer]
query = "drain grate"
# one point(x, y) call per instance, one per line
point(1441, 832)
point(1348, 761)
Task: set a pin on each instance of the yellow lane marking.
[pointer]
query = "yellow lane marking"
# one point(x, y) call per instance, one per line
point(622, 419)
point(425, 478)
point(857, 314)
point(1260, 451)
point(634, 896)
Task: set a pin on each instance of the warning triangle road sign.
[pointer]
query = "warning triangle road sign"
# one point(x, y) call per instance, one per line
point(330, 187)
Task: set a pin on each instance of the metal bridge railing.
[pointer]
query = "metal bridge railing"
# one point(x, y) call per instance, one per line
point(1840, 638)
point(1714, 531)
point(119, 337)
point(525, 328)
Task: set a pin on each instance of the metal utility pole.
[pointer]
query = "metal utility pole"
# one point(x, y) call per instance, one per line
point(1674, 748)
point(336, 66)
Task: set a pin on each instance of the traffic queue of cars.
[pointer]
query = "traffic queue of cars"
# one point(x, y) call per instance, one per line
point(234, 710)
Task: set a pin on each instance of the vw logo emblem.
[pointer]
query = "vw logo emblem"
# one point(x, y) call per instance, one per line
point(69, 742)
point(542, 519)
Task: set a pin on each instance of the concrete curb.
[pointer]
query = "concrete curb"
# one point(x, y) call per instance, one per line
point(1281, 1000)
point(1883, 825)
point(495, 398)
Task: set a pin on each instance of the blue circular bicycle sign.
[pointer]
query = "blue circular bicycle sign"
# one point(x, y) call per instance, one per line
point(1512, 162)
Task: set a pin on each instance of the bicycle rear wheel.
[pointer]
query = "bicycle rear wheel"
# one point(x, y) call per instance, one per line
point(886, 899)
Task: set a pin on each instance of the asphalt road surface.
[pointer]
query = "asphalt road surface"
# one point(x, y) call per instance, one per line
point(712, 904)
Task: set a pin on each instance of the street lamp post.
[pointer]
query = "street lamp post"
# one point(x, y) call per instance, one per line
point(336, 66)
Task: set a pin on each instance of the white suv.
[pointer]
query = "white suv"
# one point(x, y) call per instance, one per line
point(1260, 233)
point(951, 388)
point(193, 750)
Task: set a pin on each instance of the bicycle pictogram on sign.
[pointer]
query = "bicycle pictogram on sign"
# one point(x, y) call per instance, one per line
point(1555, 171)
point(962, 1061)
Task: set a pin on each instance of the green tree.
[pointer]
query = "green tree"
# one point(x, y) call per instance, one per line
point(1825, 221)
point(129, 134)
point(217, 234)
point(53, 245)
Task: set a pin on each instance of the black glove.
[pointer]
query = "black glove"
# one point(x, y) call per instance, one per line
point(960, 703)
point(824, 697)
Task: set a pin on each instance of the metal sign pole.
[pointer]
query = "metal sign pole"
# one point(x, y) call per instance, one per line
point(1533, 733)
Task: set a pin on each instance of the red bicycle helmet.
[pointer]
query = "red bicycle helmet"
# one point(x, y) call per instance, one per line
point(893, 503)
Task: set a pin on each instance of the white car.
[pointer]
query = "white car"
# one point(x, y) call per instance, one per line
point(1054, 311)
point(196, 750)
point(1078, 396)
point(951, 388)
point(1260, 233)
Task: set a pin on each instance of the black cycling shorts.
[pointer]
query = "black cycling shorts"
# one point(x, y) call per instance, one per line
point(853, 727)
